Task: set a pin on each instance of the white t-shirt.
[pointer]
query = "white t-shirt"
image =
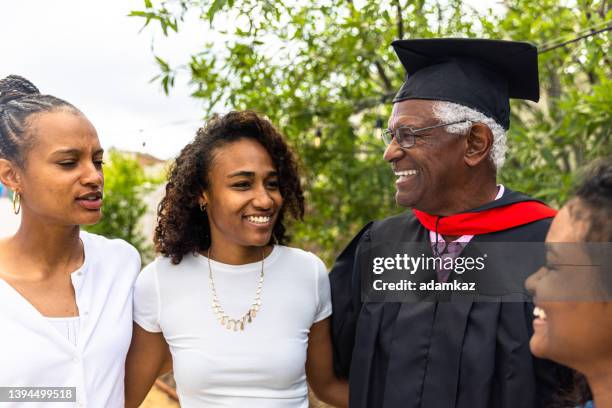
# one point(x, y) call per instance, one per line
point(33, 353)
point(262, 366)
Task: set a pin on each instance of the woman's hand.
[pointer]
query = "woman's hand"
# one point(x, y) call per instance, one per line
point(320, 368)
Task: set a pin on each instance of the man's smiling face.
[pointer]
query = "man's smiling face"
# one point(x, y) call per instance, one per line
point(426, 172)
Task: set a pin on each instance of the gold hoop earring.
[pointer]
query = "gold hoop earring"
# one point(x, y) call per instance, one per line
point(203, 207)
point(16, 203)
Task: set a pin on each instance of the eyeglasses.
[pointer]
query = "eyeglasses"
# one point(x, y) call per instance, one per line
point(406, 136)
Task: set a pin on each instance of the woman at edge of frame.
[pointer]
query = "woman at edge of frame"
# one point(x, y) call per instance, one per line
point(573, 324)
point(65, 294)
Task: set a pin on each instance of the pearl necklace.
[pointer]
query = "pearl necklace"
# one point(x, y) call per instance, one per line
point(227, 321)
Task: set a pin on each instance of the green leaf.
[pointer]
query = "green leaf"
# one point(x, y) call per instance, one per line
point(215, 7)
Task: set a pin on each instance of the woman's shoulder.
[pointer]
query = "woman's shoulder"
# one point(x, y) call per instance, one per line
point(309, 276)
point(161, 275)
point(110, 257)
point(163, 264)
point(297, 254)
point(114, 248)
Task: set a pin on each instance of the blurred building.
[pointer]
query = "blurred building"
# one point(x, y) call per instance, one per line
point(154, 169)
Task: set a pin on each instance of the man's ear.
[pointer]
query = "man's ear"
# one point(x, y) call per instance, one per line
point(479, 143)
point(9, 175)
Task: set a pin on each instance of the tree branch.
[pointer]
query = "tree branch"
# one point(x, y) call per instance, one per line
point(400, 23)
point(589, 73)
point(383, 75)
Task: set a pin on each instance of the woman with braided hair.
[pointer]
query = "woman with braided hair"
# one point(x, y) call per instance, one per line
point(65, 294)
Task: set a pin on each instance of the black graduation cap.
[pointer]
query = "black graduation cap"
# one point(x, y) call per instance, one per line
point(480, 74)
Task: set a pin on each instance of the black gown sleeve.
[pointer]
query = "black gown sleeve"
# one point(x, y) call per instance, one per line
point(346, 302)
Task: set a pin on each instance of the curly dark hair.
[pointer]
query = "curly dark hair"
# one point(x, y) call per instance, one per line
point(181, 226)
point(595, 191)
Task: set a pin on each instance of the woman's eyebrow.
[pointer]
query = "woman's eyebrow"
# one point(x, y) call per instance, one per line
point(67, 151)
point(76, 151)
point(242, 173)
point(552, 251)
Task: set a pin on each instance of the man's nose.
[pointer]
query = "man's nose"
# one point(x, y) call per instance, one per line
point(393, 152)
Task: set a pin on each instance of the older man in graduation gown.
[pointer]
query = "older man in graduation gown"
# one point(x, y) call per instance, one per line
point(446, 142)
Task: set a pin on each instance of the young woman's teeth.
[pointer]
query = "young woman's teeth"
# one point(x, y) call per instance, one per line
point(539, 312)
point(405, 173)
point(259, 220)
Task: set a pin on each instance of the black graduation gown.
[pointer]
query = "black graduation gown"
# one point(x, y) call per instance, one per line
point(436, 354)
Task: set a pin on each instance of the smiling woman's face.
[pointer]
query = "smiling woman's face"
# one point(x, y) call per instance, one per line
point(574, 333)
point(243, 199)
point(61, 180)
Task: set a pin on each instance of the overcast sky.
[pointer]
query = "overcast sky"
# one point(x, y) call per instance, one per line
point(92, 55)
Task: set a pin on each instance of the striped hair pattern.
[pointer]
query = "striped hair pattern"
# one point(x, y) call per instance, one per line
point(19, 99)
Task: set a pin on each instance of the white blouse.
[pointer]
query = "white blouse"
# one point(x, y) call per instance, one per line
point(67, 327)
point(33, 353)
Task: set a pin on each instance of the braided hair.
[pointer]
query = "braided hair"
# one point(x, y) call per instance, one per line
point(19, 99)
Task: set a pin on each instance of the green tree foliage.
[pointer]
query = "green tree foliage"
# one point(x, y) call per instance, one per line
point(125, 184)
point(320, 71)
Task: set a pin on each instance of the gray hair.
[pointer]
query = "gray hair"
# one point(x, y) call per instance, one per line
point(447, 112)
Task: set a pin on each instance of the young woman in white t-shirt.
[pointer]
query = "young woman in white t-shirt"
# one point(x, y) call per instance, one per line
point(65, 295)
point(244, 318)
